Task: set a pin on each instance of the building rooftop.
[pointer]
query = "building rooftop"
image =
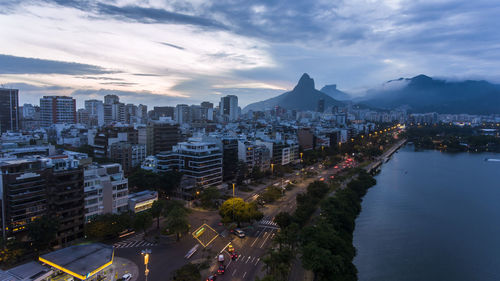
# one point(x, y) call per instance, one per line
point(143, 196)
point(80, 261)
point(25, 272)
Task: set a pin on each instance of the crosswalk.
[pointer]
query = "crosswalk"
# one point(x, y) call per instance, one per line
point(267, 221)
point(133, 242)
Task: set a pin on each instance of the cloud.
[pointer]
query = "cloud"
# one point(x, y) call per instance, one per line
point(354, 44)
point(22, 65)
point(25, 87)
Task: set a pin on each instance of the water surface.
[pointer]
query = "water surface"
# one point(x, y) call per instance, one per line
point(431, 216)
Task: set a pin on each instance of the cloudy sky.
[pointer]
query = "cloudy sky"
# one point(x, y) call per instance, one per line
point(159, 52)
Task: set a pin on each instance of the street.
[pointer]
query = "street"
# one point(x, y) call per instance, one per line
point(166, 257)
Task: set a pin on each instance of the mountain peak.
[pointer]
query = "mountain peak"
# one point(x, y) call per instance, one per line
point(421, 77)
point(305, 82)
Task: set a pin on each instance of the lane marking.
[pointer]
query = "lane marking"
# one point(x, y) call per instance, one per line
point(253, 259)
point(264, 242)
point(244, 274)
point(256, 239)
point(224, 247)
point(248, 259)
point(234, 272)
point(258, 259)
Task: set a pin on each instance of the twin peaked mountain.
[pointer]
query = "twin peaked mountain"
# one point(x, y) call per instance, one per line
point(418, 94)
point(303, 97)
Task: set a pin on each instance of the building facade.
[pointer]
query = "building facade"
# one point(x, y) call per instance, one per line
point(9, 113)
point(57, 110)
point(201, 161)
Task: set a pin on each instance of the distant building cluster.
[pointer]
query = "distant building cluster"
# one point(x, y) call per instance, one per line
point(73, 163)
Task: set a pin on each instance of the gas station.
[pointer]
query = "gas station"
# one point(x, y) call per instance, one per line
point(82, 262)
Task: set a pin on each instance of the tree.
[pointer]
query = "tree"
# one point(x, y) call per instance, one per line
point(209, 196)
point(188, 272)
point(108, 226)
point(283, 219)
point(143, 220)
point(157, 210)
point(177, 221)
point(237, 210)
point(43, 232)
point(10, 254)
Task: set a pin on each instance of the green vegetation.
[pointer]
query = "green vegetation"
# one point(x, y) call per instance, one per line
point(326, 247)
point(157, 210)
point(42, 232)
point(108, 226)
point(177, 219)
point(188, 272)
point(238, 211)
point(143, 220)
point(278, 261)
point(452, 138)
point(209, 197)
point(165, 182)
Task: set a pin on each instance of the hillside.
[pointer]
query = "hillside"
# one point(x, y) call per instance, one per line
point(425, 94)
point(303, 97)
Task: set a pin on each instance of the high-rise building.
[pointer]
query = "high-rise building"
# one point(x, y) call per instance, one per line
point(229, 158)
point(57, 110)
point(161, 136)
point(181, 114)
point(163, 111)
point(201, 161)
point(207, 110)
point(130, 113)
point(96, 112)
point(229, 107)
point(111, 99)
point(142, 113)
point(82, 116)
point(33, 187)
point(9, 113)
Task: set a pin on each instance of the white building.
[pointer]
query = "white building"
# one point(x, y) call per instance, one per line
point(96, 112)
point(106, 190)
point(201, 161)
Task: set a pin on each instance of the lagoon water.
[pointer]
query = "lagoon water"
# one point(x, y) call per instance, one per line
point(431, 216)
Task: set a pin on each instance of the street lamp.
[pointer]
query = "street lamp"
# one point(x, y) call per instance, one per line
point(145, 253)
point(233, 200)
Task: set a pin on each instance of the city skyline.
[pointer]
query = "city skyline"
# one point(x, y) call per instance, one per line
point(187, 52)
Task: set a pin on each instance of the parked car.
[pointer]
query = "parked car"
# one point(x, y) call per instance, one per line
point(212, 278)
point(238, 232)
point(127, 277)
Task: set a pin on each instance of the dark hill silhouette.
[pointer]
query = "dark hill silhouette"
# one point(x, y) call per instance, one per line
point(303, 97)
point(425, 94)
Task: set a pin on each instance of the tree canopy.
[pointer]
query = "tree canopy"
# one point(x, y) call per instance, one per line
point(237, 210)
